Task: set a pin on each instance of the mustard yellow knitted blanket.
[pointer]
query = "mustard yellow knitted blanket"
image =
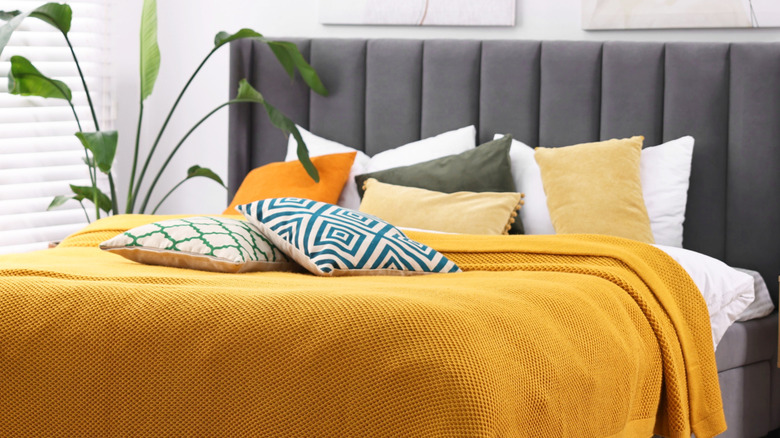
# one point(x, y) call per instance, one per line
point(564, 336)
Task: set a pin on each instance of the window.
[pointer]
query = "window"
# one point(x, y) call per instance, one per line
point(39, 155)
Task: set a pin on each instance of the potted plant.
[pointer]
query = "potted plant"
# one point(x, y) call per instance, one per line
point(100, 145)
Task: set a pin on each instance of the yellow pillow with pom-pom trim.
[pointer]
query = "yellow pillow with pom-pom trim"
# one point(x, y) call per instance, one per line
point(459, 212)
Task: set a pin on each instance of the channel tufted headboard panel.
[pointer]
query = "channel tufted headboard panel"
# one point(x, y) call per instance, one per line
point(384, 93)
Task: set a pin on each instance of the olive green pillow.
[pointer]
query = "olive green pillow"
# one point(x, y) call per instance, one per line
point(486, 168)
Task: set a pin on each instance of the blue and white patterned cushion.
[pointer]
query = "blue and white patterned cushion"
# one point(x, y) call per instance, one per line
point(330, 240)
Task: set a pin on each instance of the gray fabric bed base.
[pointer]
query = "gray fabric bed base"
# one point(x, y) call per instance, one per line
point(749, 378)
point(384, 93)
point(747, 401)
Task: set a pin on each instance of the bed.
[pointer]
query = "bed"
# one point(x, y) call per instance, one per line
point(555, 93)
point(578, 335)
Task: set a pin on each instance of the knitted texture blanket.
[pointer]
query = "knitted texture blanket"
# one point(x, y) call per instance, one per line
point(541, 336)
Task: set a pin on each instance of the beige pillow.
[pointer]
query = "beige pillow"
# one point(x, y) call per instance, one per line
point(459, 212)
point(595, 188)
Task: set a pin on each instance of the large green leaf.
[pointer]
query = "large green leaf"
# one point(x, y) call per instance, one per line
point(247, 93)
point(88, 193)
point(223, 37)
point(150, 51)
point(303, 152)
point(25, 80)
point(196, 171)
point(58, 15)
point(284, 58)
point(102, 144)
point(8, 28)
point(308, 74)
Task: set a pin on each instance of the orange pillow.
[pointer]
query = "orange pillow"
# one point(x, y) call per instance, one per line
point(278, 180)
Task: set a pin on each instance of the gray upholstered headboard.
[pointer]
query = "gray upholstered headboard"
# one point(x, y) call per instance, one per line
point(385, 93)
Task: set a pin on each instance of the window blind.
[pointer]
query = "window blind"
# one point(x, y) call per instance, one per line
point(39, 155)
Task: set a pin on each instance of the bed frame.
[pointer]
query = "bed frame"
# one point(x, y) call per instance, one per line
point(384, 93)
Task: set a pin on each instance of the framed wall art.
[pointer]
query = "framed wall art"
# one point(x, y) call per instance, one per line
point(419, 12)
point(668, 14)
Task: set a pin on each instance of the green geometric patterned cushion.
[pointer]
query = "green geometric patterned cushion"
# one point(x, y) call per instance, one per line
point(203, 243)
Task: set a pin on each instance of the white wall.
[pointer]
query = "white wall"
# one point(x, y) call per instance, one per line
point(186, 31)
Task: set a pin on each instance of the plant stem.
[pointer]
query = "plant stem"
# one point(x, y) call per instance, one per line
point(92, 176)
point(134, 194)
point(91, 168)
point(114, 206)
point(83, 82)
point(97, 207)
point(85, 212)
point(175, 149)
point(130, 192)
point(75, 115)
point(168, 194)
point(94, 119)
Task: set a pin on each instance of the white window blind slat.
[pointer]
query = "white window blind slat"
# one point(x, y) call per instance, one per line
point(39, 155)
point(40, 235)
point(79, 99)
point(51, 53)
point(86, 24)
point(38, 144)
point(39, 189)
point(35, 162)
point(15, 130)
point(21, 178)
point(22, 206)
point(78, 39)
point(40, 114)
point(17, 214)
point(65, 216)
point(25, 5)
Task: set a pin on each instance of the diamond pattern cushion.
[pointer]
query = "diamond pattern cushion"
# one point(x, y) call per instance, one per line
point(202, 243)
point(329, 240)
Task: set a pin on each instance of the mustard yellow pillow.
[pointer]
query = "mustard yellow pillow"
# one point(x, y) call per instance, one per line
point(459, 212)
point(595, 188)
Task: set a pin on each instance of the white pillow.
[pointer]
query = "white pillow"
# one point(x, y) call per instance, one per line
point(726, 291)
point(762, 305)
point(528, 180)
point(448, 143)
point(442, 145)
point(664, 171)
